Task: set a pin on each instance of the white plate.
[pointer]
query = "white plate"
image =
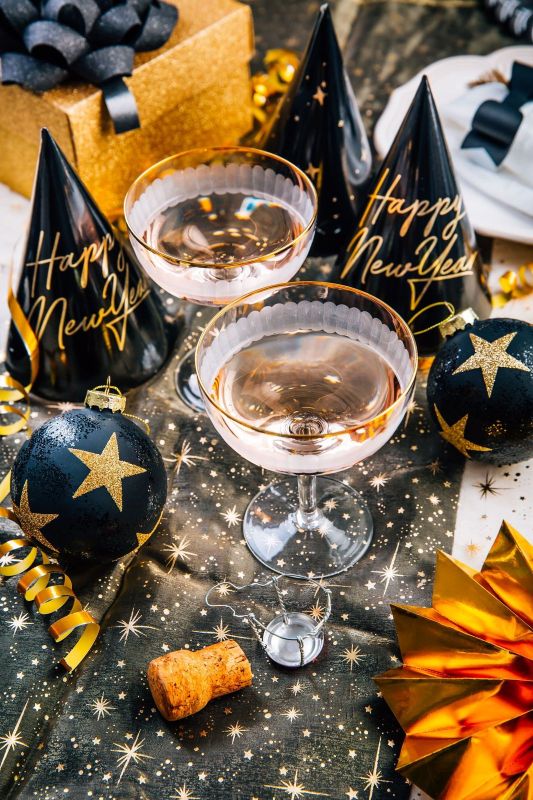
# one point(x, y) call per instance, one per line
point(449, 78)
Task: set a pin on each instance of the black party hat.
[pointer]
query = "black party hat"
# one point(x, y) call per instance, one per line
point(317, 126)
point(91, 309)
point(414, 247)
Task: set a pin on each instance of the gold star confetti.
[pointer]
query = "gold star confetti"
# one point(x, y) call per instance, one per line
point(30, 522)
point(319, 95)
point(105, 470)
point(489, 357)
point(455, 435)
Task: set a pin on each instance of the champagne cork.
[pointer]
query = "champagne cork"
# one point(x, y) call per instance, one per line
point(183, 682)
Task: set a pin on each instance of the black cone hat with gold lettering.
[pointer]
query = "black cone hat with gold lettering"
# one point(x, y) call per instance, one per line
point(414, 247)
point(83, 295)
point(317, 126)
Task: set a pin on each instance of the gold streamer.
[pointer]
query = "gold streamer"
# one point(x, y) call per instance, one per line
point(34, 582)
point(35, 586)
point(514, 284)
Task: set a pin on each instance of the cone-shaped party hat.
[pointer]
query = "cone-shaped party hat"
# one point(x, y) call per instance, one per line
point(317, 126)
point(82, 294)
point(414, 247)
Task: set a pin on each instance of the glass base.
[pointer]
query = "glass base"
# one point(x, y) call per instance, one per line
point(187, 383)
point(339, 533)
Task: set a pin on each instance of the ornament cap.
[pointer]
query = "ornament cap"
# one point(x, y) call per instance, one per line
point(458, 322)
point(105, 397)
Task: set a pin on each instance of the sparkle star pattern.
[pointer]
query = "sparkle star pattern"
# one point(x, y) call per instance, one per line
point(389, 573)
point(455, 435)
point(489, 357)
point(106, 471)
point(129, 753)
point(295, 789)
point(133, 626)
point(19, 623)
point(178, 550)
point(12, 739)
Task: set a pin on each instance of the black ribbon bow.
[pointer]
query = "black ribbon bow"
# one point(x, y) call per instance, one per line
point(44, 43)
point(495, 124)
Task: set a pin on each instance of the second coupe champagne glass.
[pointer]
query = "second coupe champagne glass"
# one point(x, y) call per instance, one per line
point(211, 224)
point(307, 379)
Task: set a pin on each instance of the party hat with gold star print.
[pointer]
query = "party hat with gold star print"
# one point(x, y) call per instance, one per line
point(318, 127)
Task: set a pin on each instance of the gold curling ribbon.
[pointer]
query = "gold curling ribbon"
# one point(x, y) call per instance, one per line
point(12, 391)
point(35, 586)
point(35, 581)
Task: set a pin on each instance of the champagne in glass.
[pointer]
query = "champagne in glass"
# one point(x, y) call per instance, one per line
point(307, 379)
point(211, 224)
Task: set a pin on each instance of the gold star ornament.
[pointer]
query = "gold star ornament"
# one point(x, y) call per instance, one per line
point(31, 522)
point(455, 434)
point(489, 357)
point(105, 470)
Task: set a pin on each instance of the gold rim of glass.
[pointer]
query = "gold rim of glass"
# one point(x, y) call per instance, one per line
point(190, 262)
point(307, 436)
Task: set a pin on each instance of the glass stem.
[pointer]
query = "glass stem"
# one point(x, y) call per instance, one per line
point(308, 515)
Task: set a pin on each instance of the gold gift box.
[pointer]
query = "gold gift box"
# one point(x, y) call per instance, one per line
point(194, 91)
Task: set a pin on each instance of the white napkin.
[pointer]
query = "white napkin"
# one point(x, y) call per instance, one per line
point(511, 182)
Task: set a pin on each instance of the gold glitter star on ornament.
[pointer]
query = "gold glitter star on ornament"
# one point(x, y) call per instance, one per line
point(105, 470)
point(30, 522)
point(455, 435)
point(489, 357)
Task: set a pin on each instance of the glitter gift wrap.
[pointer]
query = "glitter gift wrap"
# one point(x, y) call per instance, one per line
point(193, 91)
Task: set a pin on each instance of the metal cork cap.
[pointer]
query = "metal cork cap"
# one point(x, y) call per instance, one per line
point(106, 397)
point(457, 323)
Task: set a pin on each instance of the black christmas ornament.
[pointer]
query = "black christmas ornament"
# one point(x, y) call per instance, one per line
point(414, 247)
point(480, 388)
point(317, 126)
point(45, 42)
point(83, 295)
point(90, 482)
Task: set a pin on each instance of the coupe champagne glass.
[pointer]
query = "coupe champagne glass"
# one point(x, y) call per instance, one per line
point(307, 379)
point(209, 225)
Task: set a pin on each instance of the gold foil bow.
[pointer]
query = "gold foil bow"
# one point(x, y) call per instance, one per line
point(464, 695)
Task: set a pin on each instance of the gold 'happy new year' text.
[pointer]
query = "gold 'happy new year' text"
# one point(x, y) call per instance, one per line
point(119, 297)
point(434, 261)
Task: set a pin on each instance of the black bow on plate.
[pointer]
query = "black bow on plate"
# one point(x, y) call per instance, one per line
point(496, 124)
point(44, 43)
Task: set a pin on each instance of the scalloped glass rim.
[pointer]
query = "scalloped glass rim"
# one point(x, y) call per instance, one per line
point(181, 262)
point(304, 436)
